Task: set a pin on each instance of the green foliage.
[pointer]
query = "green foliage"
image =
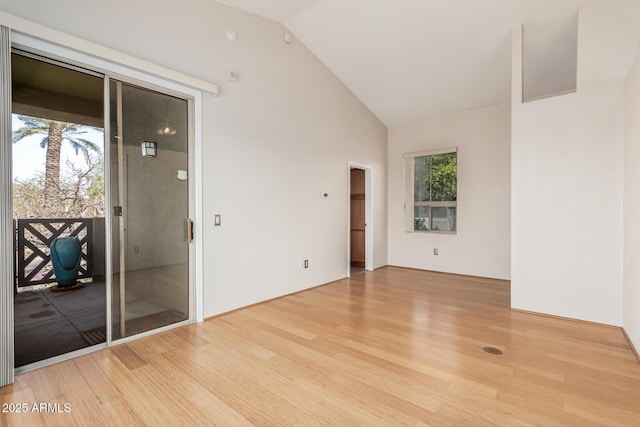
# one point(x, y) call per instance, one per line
point(80, 194)
point(419, 224)
point(76, 192)
point(443, 177)
point(435, 180)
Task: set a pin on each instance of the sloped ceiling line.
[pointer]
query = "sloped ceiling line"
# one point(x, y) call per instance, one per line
point(410, 60)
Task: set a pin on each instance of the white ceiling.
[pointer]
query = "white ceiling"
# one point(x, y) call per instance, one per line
point(278, 10)
point(409, 60)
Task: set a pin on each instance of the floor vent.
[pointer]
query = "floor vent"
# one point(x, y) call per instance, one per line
point(95, 336)
point(492, 350)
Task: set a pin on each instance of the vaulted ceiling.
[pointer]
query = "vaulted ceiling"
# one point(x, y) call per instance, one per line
point(410, 60)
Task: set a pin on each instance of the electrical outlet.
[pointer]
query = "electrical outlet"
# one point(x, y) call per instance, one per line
point(435, 251)
point(306, 263)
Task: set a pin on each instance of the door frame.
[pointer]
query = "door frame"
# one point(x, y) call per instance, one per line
point(6, 217)
point(141, 78)
point(123, 71)
point(368, 215)
point(113, 224)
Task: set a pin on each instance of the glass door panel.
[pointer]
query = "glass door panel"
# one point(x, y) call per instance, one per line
point(58, 201)
point(149, 197)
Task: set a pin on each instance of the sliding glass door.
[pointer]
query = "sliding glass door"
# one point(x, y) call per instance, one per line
point(126, 203)
point(149, 187)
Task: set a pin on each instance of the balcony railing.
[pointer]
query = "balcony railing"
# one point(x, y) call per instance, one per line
point(32, 241)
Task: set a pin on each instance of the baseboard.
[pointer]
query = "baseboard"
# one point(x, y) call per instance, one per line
point(633, 348)
point(587, 322)
point(553, 316)
point(272, 299)
point(281, 296)
point(508, 281)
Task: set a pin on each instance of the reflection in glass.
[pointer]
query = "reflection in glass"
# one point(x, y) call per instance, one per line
point(150, 249)
point(422, 181)
point(444, 219)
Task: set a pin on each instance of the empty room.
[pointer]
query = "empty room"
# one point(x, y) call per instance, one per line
point(320, 212)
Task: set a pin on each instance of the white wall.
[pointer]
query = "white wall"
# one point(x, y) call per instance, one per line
point(481, 245)
point(631, 319)
point(567, 230)
point(567, 206)
point(272, 142)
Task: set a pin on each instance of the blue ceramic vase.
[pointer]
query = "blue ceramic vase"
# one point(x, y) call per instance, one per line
point(65, 257)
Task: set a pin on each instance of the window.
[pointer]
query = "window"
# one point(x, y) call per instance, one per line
point(431, 181)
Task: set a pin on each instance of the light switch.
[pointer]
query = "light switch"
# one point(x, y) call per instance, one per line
point(217, 220)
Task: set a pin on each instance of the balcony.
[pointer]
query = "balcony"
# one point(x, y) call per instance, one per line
point(51, 323)
point(33, 237)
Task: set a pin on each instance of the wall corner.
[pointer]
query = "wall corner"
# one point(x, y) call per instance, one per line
point(516, 65)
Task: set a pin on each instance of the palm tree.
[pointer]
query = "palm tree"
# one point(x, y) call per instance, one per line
point(55, 133)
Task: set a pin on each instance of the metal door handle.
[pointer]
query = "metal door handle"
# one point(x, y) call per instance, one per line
point(189, 231)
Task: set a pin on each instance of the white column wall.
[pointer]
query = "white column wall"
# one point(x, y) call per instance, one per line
point(631, 319)
point(567, 180)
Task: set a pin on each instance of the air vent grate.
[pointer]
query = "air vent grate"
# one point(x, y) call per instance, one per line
point(492, 350)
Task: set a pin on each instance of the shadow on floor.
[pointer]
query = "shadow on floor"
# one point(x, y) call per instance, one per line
point(49, 324)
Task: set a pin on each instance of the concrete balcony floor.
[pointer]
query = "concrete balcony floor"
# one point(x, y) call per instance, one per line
point(49, 324)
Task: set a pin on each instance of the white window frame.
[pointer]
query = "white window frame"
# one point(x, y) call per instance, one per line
point(410, 203)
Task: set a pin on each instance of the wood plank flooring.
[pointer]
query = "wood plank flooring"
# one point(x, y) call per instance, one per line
point(391, 347)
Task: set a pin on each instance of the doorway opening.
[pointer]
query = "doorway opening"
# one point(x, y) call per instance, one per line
point(360, 226)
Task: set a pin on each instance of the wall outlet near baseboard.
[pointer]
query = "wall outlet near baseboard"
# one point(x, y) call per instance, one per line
point(435, 251)
point(306, 263)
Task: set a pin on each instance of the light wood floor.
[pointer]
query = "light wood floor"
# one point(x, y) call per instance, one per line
point(391, 347)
